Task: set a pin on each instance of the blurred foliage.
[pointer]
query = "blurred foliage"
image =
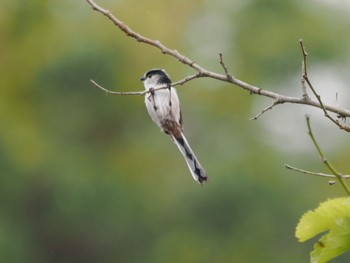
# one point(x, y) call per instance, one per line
point(89, 178)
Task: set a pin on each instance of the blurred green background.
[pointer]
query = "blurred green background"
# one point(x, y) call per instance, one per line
point(87, 177)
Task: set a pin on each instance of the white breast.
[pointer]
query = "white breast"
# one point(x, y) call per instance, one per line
point(163, 105)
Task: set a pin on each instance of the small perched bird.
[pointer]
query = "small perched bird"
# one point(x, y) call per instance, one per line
point(163, 106)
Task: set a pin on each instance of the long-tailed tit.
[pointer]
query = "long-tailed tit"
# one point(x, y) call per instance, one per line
point(163, 106)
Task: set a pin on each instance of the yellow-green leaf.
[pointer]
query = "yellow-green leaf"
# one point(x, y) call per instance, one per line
point(334, 216)
point(322, 218)
point(333, 244)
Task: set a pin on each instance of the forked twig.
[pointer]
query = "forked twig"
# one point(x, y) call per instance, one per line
point(340, 177)
point(318, 97)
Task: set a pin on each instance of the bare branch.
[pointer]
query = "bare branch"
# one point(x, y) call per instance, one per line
point(140, 93)
point(140, 38)
point(303, 89)
point(186, 79)
point(276, 102)
point(119, 92)
point(328, 164)
point(222, 63)
point(303, 51)
point(313, 173)
point(318, 97)
point(335, 174)
point(304, 70)
point(202, 72)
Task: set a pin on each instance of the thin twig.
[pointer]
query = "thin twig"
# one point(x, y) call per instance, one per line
point(303, 51)
point(318, 97)
point(276, 102)
point(303, 89)
point(186, 79)
point(304, 71)
point(222, 63)
point(202, 72)
point(313, 173)
point(324, 159)
point(119, 92)
point(141, 93)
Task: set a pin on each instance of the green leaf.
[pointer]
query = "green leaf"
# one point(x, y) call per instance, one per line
point(333, 244)
point(332, 215)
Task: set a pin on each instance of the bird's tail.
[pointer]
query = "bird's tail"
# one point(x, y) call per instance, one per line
point(196, 169)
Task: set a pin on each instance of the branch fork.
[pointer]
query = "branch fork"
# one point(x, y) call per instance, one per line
point(335, 174)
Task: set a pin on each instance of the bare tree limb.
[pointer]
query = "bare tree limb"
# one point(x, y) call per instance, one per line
point(335, 174)
point(276, 102)
point(141, 93)
point(328, 164)
point(303, 88)
point(227, 77)
point(318, 97)
point(313, 173)
point(222, 63)
point(119, 92)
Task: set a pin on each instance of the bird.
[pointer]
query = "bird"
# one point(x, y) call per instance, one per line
point(163, 106)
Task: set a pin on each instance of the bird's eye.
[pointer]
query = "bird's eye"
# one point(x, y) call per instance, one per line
point(149, 76)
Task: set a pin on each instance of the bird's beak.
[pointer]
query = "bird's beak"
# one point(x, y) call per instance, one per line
point(142, 79)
